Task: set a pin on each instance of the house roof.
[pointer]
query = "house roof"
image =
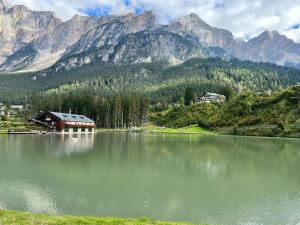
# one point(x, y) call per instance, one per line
point(212, 94)
point(72, 117)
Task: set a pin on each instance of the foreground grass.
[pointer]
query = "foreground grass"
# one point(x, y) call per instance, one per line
point(21, 218)
point(195, 129)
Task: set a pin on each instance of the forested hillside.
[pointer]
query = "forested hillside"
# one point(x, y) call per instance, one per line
point(160, 81)
point(243, 114)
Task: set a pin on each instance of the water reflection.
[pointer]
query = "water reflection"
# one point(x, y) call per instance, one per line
point(168, 177)
point(26, 196)
point(71, 144)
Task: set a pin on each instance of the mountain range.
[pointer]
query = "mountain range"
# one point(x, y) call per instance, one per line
point(38, 40)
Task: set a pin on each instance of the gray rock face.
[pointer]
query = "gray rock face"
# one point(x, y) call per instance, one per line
point(192, 25)
point(51, 46)
point(33, 40)
point(66, 34)
point(108, 34)
point(141, 47)
point(20, 26)
point(272, 47)
point(150, 46)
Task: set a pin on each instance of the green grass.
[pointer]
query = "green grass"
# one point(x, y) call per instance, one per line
point(194, 129)
point(21, 218)
point(3, 131)
point(110, 130)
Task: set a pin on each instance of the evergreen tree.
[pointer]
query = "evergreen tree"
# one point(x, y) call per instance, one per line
point(189, 96)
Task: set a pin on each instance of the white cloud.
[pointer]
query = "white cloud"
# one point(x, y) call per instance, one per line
point(245, 18)
point(293, 34)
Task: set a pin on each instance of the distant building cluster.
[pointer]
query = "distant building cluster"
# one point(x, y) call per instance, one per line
point(10, 110)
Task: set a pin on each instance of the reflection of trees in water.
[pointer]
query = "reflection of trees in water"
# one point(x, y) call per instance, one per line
point(208, 154)
point(160, 176)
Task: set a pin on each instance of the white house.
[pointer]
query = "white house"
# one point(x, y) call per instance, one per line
point(16, 107)
point(212, 97)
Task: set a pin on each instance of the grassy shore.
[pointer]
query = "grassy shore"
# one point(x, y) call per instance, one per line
point(194, 129)
point(3, 131)
point(21, 218)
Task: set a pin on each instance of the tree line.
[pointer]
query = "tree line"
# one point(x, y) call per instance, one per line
point(111, 112)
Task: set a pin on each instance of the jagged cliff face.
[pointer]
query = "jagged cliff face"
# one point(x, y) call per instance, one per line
point(33, 40)
point(270, 46)
point(51, 44)
point(19, 26)
point(131, 39)
point(108, 35)
point(192, 25)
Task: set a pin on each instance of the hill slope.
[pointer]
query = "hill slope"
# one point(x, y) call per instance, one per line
point(159, 80)
point(245, 114)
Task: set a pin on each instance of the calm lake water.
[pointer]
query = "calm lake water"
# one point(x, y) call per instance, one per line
point(199, 179)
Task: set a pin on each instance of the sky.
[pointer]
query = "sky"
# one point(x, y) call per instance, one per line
point(244, 18)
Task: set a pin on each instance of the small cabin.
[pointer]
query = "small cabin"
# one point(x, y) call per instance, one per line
point(212, 97)
point(66, 123)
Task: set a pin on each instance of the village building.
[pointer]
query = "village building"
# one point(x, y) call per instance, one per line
point(66, 123)
point(212, 97)
point(2, 109)
point(16, 107)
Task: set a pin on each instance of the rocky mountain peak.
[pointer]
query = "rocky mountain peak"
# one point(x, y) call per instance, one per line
point(146, 19)
point(193, 26)
point(38, 39)
point(269, 35)
point(77, 17)
point(195, 19)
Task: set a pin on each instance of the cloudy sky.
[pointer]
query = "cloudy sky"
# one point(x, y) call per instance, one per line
point(245, 18)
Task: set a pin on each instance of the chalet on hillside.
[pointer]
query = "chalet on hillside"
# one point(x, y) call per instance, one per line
point(65, 123)
point(212, 97)
point(16, 107)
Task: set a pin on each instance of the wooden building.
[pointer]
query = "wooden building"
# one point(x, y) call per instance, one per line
point(66, 123)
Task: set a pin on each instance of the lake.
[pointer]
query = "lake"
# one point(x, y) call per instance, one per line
point(201, 179)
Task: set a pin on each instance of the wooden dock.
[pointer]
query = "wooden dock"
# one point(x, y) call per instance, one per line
point(27, 132)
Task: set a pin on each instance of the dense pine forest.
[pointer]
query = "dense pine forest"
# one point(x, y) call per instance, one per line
point(159, 81)
point(131, 96)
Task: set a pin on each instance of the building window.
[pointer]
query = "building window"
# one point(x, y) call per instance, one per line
point(90, 129)
point(82, 129)
point(66, 129)
point(75, 129)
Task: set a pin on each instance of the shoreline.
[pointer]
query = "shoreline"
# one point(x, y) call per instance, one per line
point(194, 129)
point(8, 217)
point(191, 130)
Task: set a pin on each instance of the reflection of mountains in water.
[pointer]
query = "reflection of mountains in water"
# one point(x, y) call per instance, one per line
point(72, 144)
